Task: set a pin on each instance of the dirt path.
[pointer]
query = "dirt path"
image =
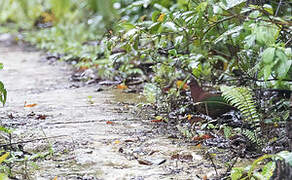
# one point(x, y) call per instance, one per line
point(90, 148)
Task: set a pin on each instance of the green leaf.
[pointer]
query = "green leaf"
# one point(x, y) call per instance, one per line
point(227, 33)
point(287, 156)
point(172, 52)
point(269, 9)
point(268, 55)
point(201, 7)
point(3, 176)
point(127, 26)
point(268, 169)
point(283, 64)
point(154, 27)
point(233, 3)
point(236, 173)
point(155, 15)
point(1, 65)
point(266, 33)
point(283, 68)
point(3, 93)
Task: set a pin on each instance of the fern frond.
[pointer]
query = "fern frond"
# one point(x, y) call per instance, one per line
point(241, 98)
point(252, 137)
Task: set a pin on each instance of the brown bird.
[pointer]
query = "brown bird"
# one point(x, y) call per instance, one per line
point(207, 103)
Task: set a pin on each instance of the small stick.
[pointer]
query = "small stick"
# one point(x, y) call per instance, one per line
point(213, 164)
point(21, 142)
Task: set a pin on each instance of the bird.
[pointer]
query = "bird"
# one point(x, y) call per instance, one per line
point(208, 103)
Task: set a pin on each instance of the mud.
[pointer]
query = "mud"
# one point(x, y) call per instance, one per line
point(86, 134)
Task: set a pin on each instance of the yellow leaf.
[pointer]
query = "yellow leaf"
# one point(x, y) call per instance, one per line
point(158, 117)
point(55, 178)
point(161, 17)
point(3, 157)
point(180, 84)
point(189, 116)
point(117, 142)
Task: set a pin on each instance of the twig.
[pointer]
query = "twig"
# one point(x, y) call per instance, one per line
point(278, 8)
point(213, 164)
point(38, 139)
point(230, 167)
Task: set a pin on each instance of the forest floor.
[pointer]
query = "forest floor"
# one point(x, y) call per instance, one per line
point(76, 132)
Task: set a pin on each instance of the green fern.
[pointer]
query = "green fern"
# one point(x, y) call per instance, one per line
point(241, 98)
point(252, 137)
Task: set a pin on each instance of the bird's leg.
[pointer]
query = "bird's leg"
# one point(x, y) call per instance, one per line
point(206, 108)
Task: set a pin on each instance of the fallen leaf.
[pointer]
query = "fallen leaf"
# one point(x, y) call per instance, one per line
point(152, 152)
point(199, 146)
point(41, 116)
point(144, 162)
point(158, 117)
point(183, 157)
point(55, 178)
point(180, 84)
point(122, 86)
point(3, 157)
point(206, 136)
point(110, 122)
point(117, 141)
point(157, 120)
point(10, 116)
point(31, 114)
point(205, 177)
point(29, 105)
point(189, 116)
point(202, 137)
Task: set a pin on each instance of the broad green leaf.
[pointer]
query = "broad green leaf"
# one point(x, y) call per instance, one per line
point(266, 33)
point(172, 52)
point(236, 173)
point(201, 7)
point(283, 63)
point(269, 9)
point(127, 26)
point(249, 41)
point(161, 8)
point(287, 156)
point(170, 26)
point(178, 40)
point(268, 169)
point(227, 33)
point(233, 3)
point(268, 55)
point(283, 68)
point(3, 176)
point(1, 65)
point(6, 130)
point(154, 27)
point(281, 55)
point(267, 70)
point(155, 15)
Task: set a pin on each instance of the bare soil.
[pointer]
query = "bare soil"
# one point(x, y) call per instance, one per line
point(78, 133)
